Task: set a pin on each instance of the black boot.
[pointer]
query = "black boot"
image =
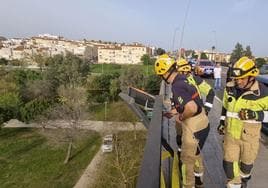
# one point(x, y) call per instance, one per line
point(198, 182)
point(245, 182)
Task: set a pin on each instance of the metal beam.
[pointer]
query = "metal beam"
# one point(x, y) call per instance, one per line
point(149, 175)
point(135, 108)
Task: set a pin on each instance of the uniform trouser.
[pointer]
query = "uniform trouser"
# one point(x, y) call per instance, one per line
point(194, 132)
point(240, 154)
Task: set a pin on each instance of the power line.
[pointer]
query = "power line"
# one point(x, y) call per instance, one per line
point(184, 23)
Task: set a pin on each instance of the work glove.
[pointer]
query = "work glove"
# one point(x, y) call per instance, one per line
point(221, 128)
point(246, 114)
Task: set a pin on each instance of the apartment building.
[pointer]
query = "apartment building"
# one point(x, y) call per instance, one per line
point(94, 51)
point(215, 56)
point(124, 54)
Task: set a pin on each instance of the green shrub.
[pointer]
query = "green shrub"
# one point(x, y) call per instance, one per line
point(33, 108)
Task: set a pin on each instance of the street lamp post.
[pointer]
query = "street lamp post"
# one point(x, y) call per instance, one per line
point(174, 35)
point(105, 110)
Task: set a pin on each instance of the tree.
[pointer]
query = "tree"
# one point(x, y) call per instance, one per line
point(32, 109)
point(203, 56)
point(260, 62)
point(153, 84)
point(72, 109)
point(99, 88)
point(21, 76)
point(237, 53)
point(7, 86)
point(40, 60)
point(248, 52)
point(121, 169)
point(114, 89)
point(194, 55)
point(132, 76)
point(160, 51)
point(68, 70)
point(145, 59)
point(41, 89)
point(3, 61)
point(9, 106)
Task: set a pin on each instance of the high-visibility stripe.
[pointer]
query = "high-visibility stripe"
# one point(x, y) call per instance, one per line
point(234, 185)
point(235, 115)
point(175, 172)
point(222, 118)
point(197, 164)
point(232, 115)
point(245, 175)
point(162, 180)
point(198, 174)
point(175, 180)
point(236, 169)
point(265, 116)
point(208, 105)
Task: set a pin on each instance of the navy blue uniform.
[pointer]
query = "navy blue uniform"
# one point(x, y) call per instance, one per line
point(183, 92)
point(190, 130)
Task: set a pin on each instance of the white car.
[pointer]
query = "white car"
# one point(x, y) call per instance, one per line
point(107, 145)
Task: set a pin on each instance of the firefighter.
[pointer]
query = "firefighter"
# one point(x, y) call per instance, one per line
point(245, 107)
point(201, 85)
point(203, 88)
point(189, 112)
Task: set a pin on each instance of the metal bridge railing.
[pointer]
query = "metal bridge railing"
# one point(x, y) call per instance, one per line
point(139, 102)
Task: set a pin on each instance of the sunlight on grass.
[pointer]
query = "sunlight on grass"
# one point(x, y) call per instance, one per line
point(28, 160)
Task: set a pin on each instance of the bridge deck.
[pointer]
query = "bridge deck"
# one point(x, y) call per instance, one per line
point(212, 152)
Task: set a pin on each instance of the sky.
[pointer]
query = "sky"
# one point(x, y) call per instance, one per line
point(191, 24)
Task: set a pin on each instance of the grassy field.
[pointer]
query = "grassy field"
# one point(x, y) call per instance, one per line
point(116, 111)
point(121, 167)
point(112, 68)
point(34, 158)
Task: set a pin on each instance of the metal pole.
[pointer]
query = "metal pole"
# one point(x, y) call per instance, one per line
point(173, 41)
point(184, 23)
point(215, 39)
point(105, 110)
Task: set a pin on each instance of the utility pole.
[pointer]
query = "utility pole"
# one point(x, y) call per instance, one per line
point(174, 35)
point(105, 110)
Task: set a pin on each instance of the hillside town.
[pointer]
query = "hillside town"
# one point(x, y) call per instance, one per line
point(95, 51)
point(124, 94)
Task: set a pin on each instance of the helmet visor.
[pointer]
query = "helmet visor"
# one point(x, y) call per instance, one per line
point(237, 72)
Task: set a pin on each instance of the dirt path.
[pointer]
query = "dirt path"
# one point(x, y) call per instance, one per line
point(103, 127)
point(88, 177)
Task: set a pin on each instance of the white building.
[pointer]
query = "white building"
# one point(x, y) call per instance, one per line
point(125, 54)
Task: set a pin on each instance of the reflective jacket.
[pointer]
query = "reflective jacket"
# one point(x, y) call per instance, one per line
point(203, 88)
point(256, 99)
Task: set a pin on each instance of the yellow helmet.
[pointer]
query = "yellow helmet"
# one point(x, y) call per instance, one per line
point(163, 64)
point(244, 67)
point(183, 66)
